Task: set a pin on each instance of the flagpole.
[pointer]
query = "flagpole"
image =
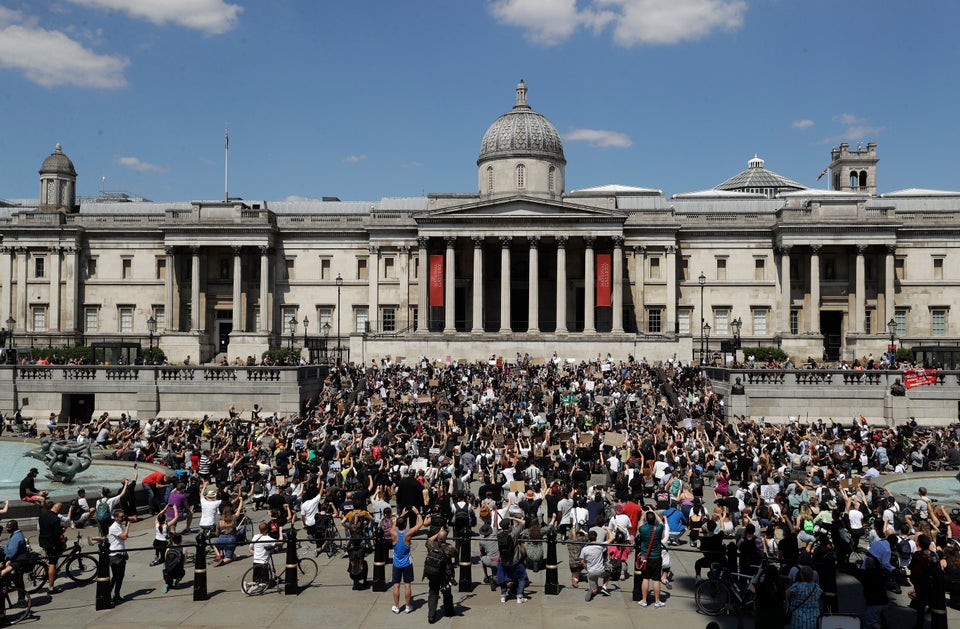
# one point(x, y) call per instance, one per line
point(226, 163)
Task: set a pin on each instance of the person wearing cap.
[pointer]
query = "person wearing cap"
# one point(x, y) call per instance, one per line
point(28, 489)
point(209, 508)
point(489, 554)
point(512, 569)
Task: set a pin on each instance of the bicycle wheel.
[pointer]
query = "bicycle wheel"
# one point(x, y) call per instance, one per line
point(36, 579)
point(306, 571)
point(18, 604)
point(250, 586)
point(82, 568)
point(712, 597)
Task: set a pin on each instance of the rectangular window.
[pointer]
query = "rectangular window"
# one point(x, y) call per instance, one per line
point(938, 268)
point(287, 313)
point(288, 269)
point(759, 321)
point(39, 267)
point(416, 268)
point(388, 319)
point(160, 316)
point(900, 269)
point(39, 316)
point(362, 318)
point(721, 269)
point(683, 321)
point(361, 268)
point(161, 268)
point(414, 320)
point(794, 322)
point(760, 269)
point(256, 319)
point(900, 316)
point(126, 265)
point(226, 264)
point(654, 268)
point(91, 319)
point(325, 268)
point(938, 322)
point(325, 318)
point(868, 322)
point(654, 320)
point(684, 269)
point(126, 318)
point(390, 268)
point(721, 320)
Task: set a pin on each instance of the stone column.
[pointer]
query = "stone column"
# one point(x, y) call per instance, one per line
point(477, 285)
point(889, 287)
point(237, 290)
point(639, 265)
point(373, 285)
point(785, 290)
point(54, 324)
point(561, 284)
point(423, 305)
point(670, 323)
point(73, 288)
point(6, 273)
point(815, 289)
point(22, 292)
point(264, 290)
point(195, 318)
point(449, 288)
point(505, 284)
point(589, 286)
point(861, 289)
point(533, 313)
point(617, 300)
point(169, 317)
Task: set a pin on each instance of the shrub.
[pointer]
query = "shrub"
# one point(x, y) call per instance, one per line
point(763, 354)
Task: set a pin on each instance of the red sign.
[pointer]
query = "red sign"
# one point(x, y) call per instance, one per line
point(919, 377)
point(603, 279)
point(436, 280)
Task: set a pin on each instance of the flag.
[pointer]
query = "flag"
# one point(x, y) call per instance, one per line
point(824, 172)
point(226, 139)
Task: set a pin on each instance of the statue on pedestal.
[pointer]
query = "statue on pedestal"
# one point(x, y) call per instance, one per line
point(64, 458)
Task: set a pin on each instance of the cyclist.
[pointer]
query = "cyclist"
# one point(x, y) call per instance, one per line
point(51, 539)
point(15, 551)
point(260, 546)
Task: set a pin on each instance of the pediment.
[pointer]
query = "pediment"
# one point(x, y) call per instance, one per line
point(521, 209)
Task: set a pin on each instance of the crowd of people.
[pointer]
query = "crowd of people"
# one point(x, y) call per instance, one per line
point(623, 461)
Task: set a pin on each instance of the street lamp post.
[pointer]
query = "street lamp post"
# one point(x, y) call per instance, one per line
point(293, 329)
point(306, 328)
point(892, 349)
point(736, 324)
point(151, 328)
point(339, 286)
point(326, 338)
point(706, 331)
point(10, 323)
point(703, 280)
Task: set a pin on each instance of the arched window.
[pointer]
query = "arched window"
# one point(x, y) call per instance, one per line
point(551, 179)
point(521, 176)
point(489, 179)
point(854, 180)
point(863, 179)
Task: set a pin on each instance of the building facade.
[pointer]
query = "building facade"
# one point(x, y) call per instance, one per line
point(520, 265)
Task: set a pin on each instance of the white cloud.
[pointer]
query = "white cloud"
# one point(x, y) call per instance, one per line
point(413, 164)
point(210, 16)
point(861, 132)
point(353, 159)
point(634, 21)
point(857, 129)
point(849, 119)
point(599, 138)
point(134, 163)
point(51, 58)
point(805, 123)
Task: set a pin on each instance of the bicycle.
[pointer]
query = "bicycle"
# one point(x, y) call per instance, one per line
point(329, 534)
point(724, 591)
point(17, 603)
point(306, 573)
point(79, 566)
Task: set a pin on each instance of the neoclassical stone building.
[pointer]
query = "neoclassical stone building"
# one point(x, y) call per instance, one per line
point(520, 265)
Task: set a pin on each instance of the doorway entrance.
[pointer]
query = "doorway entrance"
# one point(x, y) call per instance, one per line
point(831, 326)
point(223, 328)
point(77, 407)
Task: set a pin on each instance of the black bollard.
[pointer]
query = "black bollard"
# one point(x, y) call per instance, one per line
point(380, 561)
point(638, 594)
point(103, 577)
point(552, 585)
point(938, 602)
point(466, 562)
point(290, 585)
point(200, 568)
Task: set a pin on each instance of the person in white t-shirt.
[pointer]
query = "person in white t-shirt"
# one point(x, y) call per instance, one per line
point(260, 547)
point(209, 509)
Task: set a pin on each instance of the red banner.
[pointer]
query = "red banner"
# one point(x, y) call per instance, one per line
point(919, 377)
point(436, 280)
point(604, 275)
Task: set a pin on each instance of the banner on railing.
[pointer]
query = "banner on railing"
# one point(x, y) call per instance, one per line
point(603, 279)
point(436, 280)
point(919, 377)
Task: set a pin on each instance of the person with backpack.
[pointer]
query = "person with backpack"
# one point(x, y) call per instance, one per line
point(103, 511)
point(511, 568)
point(438, 569)
point(174, 563)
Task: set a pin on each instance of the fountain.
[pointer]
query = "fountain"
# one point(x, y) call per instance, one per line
point(64, 458)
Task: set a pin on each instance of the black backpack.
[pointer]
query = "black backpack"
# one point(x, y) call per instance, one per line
point(464, 517)
point(173, 561)
point(507, 547)
point(435, 565)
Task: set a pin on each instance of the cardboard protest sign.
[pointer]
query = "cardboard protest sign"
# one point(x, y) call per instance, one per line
point(615, 439)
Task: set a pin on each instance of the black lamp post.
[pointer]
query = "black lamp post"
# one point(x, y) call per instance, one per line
point(339, 286)
point(706, 331)
point(326, 337)
point(703, 280)
point(151, 328)
point(10, 323)
point(293, 329)
point(736, 324)
point(892, 329)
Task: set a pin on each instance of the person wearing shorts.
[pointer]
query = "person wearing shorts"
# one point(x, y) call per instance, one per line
point(650, 546)
point(402, 563)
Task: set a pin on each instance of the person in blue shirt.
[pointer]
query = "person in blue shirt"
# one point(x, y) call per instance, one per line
point(402, 564)
point(676, 522)
point(15, 550)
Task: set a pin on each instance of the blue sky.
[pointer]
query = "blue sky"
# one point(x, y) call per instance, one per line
point(364, 99)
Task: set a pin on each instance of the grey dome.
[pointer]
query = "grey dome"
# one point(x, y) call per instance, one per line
point(521, 132)
point(58, 164)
